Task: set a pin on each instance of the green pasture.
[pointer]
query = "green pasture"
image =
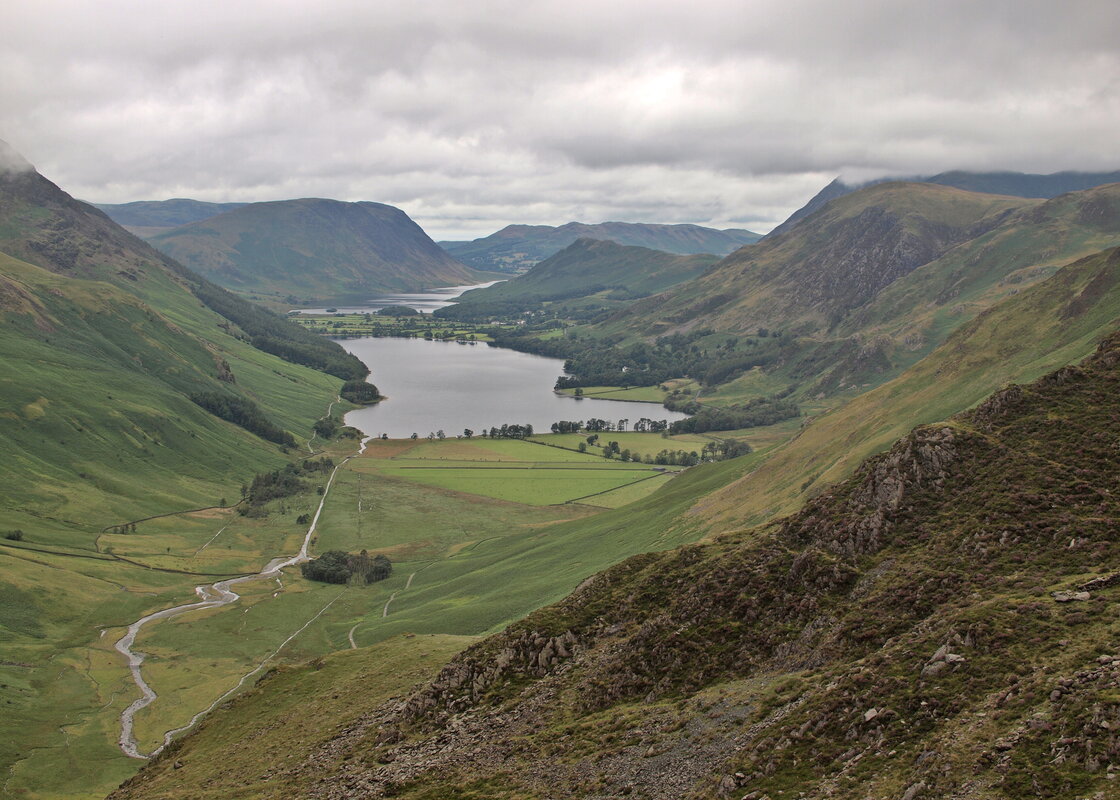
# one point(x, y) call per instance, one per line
point(374, 509)
point(532, 484)
point(484, 529)
point(657, 393)
point(493, 581)
point(630, 493)
point(517, 471)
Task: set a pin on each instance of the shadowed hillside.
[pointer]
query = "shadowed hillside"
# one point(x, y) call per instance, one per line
point(314, 249)
point(148, 218)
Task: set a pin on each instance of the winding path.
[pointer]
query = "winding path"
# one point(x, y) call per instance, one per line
point(214, 595)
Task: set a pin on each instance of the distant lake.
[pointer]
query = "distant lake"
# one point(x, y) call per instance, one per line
point(426, 301)
point(449, 386)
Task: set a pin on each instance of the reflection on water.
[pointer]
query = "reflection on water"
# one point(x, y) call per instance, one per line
point(434, 386)
point(426, 301)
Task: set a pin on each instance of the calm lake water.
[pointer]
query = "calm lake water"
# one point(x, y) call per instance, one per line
point(426, 301)
point(444, 385)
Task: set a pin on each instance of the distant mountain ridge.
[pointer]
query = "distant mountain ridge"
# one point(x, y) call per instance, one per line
point(1013, 184)
point(518, 247)
point(588, 266)
point(163, 213)
point(314, 248)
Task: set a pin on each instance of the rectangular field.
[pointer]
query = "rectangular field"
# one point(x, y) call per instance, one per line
point(531, 484)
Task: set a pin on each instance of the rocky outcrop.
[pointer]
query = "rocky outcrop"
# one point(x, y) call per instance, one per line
point(466, 679)
point(857, 520)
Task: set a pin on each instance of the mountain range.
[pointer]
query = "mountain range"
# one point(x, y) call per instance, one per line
point(313, 249)
point(517, 247)
point(878, 277)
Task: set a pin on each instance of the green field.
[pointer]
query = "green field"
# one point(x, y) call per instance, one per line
point(516, 471)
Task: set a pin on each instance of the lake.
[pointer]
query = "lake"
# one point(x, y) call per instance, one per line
point(447, 386)
point(426, 301)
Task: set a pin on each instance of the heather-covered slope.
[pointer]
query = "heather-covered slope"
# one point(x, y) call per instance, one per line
point(941, 624)
point(314, 249)
point(518, 247)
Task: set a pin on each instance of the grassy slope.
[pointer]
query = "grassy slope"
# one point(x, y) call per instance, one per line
point(1050, 324)
point(98, 351)
point(241, 764)
point(95, 383)
point(314, 249)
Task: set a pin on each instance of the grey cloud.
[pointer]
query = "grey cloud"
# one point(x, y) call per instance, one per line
point(474, 115)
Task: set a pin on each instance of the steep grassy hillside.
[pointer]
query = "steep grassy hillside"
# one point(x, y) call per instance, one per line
point(941, 624)
point(105, 348)
point(589, 267)
point(809, 279)
point(314, 249)
point(518, 247)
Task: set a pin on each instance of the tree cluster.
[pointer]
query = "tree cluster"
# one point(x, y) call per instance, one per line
point(509, 432)
point(244, 413)
point(337, 566)
point(281, 483)
point(596, 425)
point(760, 411)
point(359, 392)
point(326, 427)
point(600, 362)
point(398, 311)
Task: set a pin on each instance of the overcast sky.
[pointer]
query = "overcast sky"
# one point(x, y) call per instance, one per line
point(473, 115)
